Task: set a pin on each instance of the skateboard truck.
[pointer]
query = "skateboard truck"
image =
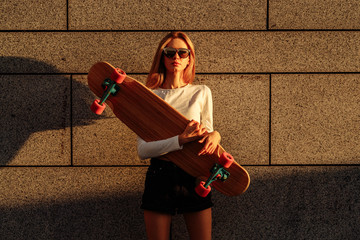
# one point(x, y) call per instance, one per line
point(111, 88)
point(218, 172)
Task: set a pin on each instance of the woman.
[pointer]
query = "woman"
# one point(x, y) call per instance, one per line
point(168, 189)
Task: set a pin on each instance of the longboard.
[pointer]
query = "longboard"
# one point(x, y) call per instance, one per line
point(151, 118)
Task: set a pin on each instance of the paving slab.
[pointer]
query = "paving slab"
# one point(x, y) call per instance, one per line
point(315, 119)
point(311, 14)
point(35, 120)
point(241, 114)
point(102, 140)
point(292, 203)
point(217, 52)
point(103, 203)
point(33, 15)
point(71, 203)
point(167, 15)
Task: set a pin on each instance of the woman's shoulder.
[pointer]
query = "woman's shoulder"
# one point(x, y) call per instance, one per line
point(189, 89)
point(201, 88)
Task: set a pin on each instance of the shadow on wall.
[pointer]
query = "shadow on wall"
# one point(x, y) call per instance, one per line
point(33, 103)
point(293, 203)
point(114, 217)
point(290, 204)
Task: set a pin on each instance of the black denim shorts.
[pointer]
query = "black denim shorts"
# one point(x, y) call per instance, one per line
point(170, 190)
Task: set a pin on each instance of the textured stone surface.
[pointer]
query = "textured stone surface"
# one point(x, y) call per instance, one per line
point(315, 119)
point(167, 15)
point(241, 114)
point(277, 51)
point(76, 52)
point(33, 15)
point(71, 203)
point(35, 120)
point(103, 203)
point(104, 140)
point(292, 203)
point(217, 52)
point(311, 14)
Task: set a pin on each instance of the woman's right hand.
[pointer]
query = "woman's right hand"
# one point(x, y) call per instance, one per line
point(192, 132)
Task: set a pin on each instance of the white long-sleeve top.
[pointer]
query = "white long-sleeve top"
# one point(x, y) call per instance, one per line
point(194, 102)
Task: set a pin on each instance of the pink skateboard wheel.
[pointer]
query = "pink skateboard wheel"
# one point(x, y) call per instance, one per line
point(97, 108)
point(226, 160)
point(201, 190)
point(118, 75)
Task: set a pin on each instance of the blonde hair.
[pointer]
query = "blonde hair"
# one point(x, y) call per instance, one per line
point(157, 72)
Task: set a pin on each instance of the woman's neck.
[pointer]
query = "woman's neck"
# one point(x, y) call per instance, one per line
point(174, 80)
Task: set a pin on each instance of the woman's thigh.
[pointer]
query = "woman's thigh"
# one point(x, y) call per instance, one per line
point(199, 224)
point(157, 225)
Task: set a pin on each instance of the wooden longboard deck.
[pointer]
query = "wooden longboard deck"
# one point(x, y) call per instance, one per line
point(151, 118)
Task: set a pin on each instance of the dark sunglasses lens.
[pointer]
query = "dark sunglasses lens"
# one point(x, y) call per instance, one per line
point(169, 52)
point(183, 53)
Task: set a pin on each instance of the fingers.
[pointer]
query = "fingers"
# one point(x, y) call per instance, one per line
point(193, 131)
point(203, 139)
point(196, 129)
point(202, 131)
point(211, 141)
point(207, 149)
point(192, 122)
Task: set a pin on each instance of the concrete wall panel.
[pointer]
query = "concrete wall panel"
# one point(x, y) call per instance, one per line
point(71, 203)
point(165, 15)
point(310, 14)
point(292, 203)
point(241, 114)
point(217, 52)
point(104, 140)
point(35, 120)
point(103, 203)
point(315, 119)
point(33, 15)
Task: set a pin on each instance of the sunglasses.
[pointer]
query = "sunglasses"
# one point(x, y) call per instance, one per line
point(170, 52)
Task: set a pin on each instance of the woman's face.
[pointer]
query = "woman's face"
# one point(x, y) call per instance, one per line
point(176, 63)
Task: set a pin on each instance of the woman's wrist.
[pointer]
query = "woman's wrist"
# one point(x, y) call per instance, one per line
point(181, 140)
point(219, 136)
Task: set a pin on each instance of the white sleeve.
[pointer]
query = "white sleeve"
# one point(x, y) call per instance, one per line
point(157, 148)
point(207, 110)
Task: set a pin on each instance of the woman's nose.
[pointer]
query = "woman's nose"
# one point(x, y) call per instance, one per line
point(176, 56)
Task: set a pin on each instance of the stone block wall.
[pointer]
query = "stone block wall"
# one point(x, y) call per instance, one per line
point(285, 77)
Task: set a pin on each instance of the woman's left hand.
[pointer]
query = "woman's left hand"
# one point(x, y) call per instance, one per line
point(211, 142)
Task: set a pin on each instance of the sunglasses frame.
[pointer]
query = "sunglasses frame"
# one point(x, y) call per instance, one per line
point(176, 51)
